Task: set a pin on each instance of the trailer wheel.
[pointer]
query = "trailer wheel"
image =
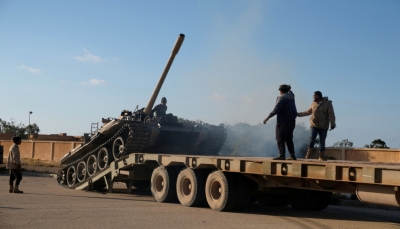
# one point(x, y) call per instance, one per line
point(71, 176)
point(221, 191)
point(273, 199)
point(243, 195)
point(190, 187)
point(324, 200)
point(304, 200)
point(163, 184)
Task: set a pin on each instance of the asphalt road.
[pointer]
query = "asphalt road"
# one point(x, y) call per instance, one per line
point(47, 205)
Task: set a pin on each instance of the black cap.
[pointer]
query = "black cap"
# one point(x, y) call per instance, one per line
point(163, 99)
point(284, 87)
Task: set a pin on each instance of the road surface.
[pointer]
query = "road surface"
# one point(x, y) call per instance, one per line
point(47, 205)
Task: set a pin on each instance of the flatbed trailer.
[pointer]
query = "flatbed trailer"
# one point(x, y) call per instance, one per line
point(135, 141)
point(227, 183)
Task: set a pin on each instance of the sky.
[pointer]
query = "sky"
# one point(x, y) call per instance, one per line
point(74, 62)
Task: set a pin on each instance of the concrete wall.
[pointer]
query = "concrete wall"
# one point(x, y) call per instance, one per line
point(43, 150)
point(55, 150)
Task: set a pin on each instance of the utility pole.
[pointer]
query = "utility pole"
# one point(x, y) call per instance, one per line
point(29, 126)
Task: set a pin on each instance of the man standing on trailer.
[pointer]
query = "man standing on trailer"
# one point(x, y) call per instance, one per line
point(286, 112)
point(322, 113)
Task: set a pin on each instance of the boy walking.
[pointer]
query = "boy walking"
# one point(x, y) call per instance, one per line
point(14, 165)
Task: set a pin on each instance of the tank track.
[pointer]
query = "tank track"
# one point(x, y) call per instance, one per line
point(136, 138)
point(214, 141)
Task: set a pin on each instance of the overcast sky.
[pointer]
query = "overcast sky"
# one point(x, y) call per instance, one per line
point(74, 62)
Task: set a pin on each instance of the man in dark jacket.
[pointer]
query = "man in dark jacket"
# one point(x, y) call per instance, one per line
point(161, 109)
point(286, 112)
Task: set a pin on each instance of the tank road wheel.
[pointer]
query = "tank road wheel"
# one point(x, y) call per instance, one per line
point(91, 165)
point(163, 184)
point(61, 177)
point(305, 200)
point(221, 191)
point(103, 158)
point(71, 176)
point(190, 187)
point(81, 171)
point(118, 148)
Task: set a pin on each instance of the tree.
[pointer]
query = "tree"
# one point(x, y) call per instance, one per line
point(32, 129)
point(377, 143)
point(19, 130)
point(345, 143)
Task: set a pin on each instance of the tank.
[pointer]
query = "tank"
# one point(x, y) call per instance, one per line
point(139, 131)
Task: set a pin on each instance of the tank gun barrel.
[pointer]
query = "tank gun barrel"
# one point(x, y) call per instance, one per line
point(153, 97)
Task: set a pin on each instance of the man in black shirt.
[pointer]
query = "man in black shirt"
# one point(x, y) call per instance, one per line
point(286, 112)
point(161, 109)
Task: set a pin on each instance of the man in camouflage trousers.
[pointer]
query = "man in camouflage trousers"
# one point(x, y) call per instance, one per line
point(14, 165)
point(322, 114)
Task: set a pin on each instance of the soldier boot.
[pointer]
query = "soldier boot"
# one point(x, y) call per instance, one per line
point(322, 156)
point(16, 190)
point(11, 189)
point(279, 158)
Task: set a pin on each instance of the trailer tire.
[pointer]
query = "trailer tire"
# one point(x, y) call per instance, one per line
point(304, 200)
point(243, 195)
point(163, 184)
point(273, 199)
point(190, 187)
point(221, 191)
point(324, 201)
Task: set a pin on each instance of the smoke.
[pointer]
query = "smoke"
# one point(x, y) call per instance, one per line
point(240, 81)
point(259, 140)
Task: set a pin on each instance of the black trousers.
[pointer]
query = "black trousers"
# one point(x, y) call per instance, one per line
point(15, 174)
point(284, 136)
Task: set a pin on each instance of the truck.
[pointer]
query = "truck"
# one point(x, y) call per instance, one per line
point(180, 162)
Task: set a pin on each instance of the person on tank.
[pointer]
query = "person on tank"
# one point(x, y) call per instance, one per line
point(161, 109)
point(14, 165)
point(322, 113)
point(286, 112)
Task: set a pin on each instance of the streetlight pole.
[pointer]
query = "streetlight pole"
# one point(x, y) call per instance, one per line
point(29, 126)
